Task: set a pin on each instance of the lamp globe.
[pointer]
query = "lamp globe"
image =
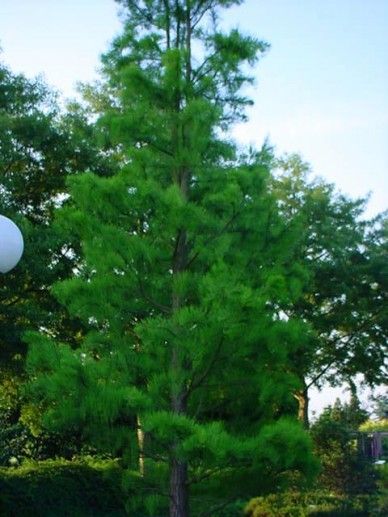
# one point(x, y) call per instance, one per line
point(11, 244)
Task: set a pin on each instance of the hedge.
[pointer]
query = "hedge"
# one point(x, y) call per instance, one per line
point(59, 488)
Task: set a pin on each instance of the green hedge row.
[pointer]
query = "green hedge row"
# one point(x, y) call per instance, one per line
point(90, 487)
point(58, 488)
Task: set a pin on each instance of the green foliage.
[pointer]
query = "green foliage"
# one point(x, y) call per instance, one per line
point(345, 293)
point(382, 483)
point(21, 433)
point(335, 434)
point(374, 425)
point(62, 488)
point(39, 148)
point(185, 264)
point(380, 406)
point(15, 438)
point(314, 503)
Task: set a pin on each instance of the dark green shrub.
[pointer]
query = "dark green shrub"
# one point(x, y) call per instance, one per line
point(382, 472)
point(59, 488)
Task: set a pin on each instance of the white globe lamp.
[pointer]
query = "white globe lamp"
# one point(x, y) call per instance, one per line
point(11, 244)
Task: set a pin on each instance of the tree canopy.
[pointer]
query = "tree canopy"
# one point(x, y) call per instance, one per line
point(185, 262)
point(345, 297)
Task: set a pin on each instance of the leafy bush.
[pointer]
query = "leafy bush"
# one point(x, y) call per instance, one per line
point(57, 488)
point(18, 443)
point(313, 504)
point(374, 425)
point(21, 434)
point(382, 483)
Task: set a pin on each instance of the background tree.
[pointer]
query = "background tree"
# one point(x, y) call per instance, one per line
point(39, 147)
point(185, 264)
point(345, 298)
point(380, 405)
point(335, 434)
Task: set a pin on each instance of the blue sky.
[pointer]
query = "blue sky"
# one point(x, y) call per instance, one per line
point(322, 90)
point(323, 87)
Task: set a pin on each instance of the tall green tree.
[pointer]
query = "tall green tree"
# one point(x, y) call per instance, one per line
point(345, 298)
point(185, 263)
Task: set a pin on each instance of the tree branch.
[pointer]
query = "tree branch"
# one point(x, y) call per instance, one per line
point(215, 236)
point(156, 304)
point(196, 383)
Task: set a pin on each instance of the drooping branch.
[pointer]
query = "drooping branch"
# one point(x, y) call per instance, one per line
point(143, 12)
point(198, 382)
point(215, 236)
point(150, 300)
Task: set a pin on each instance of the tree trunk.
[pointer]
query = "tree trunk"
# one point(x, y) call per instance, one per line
point(178, 489)
point(140, 443)
point(179, 500)
point(178, 468)
point(303, 407)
